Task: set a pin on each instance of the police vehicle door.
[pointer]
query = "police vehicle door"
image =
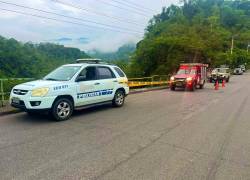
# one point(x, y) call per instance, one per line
point(107, 82)
point(88, 86)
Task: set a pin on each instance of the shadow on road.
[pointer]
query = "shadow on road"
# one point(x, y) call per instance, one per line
point(91, 110)
point(43, 118)
point(35, 119)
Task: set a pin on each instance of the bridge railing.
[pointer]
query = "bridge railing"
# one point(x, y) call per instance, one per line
point(6, 85)
point(157, 80)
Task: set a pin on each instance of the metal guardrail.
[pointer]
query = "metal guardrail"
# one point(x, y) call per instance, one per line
point(156, 80)
point(5, 89)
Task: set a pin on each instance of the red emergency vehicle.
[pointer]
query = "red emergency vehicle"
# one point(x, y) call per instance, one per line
point(189, 76)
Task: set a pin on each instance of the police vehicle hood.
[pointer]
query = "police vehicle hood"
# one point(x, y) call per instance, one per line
point(38, 84)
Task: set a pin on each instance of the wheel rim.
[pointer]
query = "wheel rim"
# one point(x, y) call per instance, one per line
point(63, 109)
point(119, 99)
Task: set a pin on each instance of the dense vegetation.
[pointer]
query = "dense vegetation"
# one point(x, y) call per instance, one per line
point(122, 54)
point(33, 60)
point(197, 31)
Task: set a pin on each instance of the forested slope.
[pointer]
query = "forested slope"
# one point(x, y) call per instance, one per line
point(196, 31)
point(33, 60)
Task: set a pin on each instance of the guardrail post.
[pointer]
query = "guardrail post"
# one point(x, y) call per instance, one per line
point(2, 93)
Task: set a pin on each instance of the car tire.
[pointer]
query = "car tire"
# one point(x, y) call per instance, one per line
point(193, 87)
point(172, 88)
point(227, 80)
point(62, 109)
point(202, 85)
point(119, 98)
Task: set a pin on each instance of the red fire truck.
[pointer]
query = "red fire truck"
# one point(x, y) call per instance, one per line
point(189, 76)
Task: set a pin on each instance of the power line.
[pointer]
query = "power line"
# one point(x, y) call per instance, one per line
point(120, 7)
point(80, 24)
point(138, 5)
point(140, 8)
point(79, 19)
point(97, 13)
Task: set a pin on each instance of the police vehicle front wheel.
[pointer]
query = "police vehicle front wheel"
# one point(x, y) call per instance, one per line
point(62, 109)
point(119, 98)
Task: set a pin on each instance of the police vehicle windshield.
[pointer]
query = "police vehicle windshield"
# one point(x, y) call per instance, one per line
point(63, 73)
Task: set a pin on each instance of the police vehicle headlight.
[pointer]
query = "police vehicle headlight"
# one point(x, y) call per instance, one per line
point(172, 78)
point(40, 92)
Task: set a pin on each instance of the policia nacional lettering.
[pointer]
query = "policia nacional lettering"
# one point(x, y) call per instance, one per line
point(95, 93)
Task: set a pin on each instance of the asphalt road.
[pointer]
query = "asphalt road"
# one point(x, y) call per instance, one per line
point(156, 135)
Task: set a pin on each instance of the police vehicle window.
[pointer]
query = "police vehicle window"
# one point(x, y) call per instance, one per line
point(105, 73)
point(63, 73)
point(119, 71)
point(88, 74)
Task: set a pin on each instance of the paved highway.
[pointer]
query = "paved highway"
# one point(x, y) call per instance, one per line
point(156, 135)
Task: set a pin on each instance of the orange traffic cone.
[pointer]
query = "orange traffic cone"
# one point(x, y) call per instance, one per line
point(216, 86)
point(223, 83)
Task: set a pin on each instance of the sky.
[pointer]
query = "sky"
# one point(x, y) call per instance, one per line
point(104, 25)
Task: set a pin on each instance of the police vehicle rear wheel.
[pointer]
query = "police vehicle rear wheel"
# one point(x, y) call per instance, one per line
point(119, 98)
point(62, 109)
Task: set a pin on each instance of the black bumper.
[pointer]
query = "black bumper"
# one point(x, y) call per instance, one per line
point(23, 107)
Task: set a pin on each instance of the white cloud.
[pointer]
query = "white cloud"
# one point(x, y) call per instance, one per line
point(109, 44)
point(26, 28)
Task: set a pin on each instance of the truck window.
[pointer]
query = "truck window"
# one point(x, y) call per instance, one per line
point(193, 71)
point(184, 71)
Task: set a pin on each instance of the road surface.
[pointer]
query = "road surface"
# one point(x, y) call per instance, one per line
point(156, 135)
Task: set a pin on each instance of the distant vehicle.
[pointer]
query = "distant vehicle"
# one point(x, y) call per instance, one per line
point(220, 74)
point(243, 68)
point(189, 76)
point(85, 83)
point(238, 71)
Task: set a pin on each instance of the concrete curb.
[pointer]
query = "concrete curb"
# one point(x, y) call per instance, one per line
point(135, 91)
point(9, 110)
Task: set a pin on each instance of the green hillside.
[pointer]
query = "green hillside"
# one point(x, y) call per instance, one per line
point(197, 31)
point(33, 60)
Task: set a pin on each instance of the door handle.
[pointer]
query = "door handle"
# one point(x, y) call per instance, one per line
point(97, 84)
point(115, 81)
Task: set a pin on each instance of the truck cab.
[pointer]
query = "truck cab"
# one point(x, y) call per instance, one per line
point(189, 76)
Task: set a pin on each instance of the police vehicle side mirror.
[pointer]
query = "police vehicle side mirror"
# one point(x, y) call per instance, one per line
point(80, 78)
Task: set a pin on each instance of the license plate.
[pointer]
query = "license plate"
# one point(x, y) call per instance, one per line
point(178, 84)
point(16, 100)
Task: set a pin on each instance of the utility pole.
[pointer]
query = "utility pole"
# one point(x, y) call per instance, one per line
point(232, 45)
point(248, 46)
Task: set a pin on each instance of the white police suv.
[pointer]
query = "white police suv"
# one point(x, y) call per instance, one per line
point(88, 82)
